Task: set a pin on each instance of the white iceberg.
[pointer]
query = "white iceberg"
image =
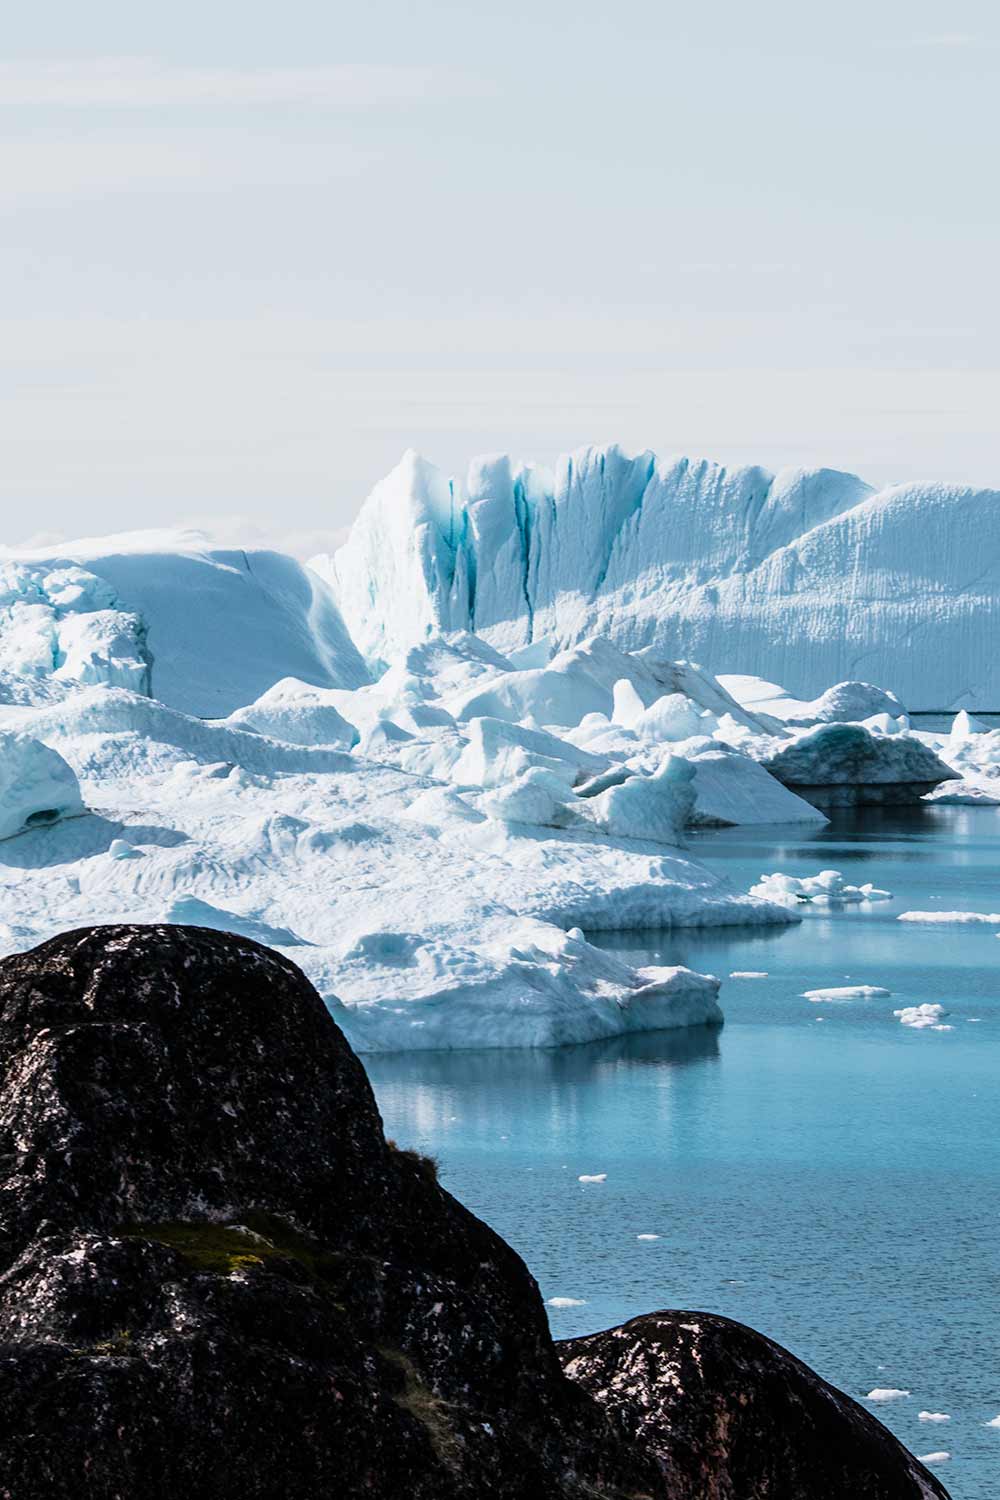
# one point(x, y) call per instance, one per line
point(729, 567)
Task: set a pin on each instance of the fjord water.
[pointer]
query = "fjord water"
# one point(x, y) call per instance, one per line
point(818, 1171)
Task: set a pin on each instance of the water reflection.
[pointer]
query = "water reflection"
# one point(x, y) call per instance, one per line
point(542, 1068)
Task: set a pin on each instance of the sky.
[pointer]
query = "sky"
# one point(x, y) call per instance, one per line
point(250, 253)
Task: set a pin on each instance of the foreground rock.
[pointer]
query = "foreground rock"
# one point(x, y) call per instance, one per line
point(729, 1415)
point(218, 1279)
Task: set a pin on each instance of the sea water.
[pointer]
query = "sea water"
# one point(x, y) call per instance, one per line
point(819, 1171)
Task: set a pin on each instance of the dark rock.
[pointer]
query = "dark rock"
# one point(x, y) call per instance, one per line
point(218, 1279)
point(729, 1415)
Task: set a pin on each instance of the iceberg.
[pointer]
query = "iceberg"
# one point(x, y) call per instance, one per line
point(844, 765)
point(735, 568)
point(205, 629)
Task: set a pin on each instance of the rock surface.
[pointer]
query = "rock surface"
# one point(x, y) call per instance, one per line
point(729, 1415)
point(217, 1278)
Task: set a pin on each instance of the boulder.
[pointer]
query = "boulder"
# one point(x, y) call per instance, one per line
point(219, 1279)
point(729, 1415)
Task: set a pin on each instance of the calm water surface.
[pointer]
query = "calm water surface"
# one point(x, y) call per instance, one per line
point(818, 1171)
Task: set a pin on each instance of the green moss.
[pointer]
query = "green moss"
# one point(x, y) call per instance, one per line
point(258, 1241)
point(119, 1345)
point(430, 1410)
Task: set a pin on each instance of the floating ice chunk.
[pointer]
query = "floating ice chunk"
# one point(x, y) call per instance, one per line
point(748, 974)
point(933, 1458)
point(922, 1016)
point(886, 1393)
point(827, 888)
point(846, 765)
point(933, 1416)
point(36, 785)
point(993, 1422)
point(565, 1302)
point(992, 919)
point(847, 992)
point(647, 1236)
point(593, 1177)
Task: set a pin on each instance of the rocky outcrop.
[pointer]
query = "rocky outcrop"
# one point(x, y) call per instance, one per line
point(218, 1279)
point(729, 1415)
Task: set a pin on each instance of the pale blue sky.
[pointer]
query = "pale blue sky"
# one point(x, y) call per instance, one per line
point(249, 253)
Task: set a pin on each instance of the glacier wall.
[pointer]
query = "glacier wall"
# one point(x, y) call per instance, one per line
point(806, 577)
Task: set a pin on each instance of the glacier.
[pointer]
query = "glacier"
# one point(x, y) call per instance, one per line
point(806, 577)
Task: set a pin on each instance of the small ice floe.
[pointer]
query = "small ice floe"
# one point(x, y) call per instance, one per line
point(886, 1393)
point(933, 1416)
point(847, 992)
point(748, 974)
point(592, 1177)
point(566, 1302)
point(993, 1422)
point(934, 1458)
point(828, 888)
point(920, 1017)
point(647, 1236)
point(991, 918)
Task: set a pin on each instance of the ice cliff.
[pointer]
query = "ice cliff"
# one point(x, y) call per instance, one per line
point(805, 577)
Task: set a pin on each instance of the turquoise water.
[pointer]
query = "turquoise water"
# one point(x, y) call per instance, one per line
point(833, 1182)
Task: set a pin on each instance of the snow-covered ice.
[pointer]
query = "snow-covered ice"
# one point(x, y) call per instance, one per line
point(886, 1393)
point(933, 1416)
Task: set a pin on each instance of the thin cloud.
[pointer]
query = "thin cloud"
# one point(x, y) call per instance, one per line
point(945, 39)
point(69, 168)
point(146, 83)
